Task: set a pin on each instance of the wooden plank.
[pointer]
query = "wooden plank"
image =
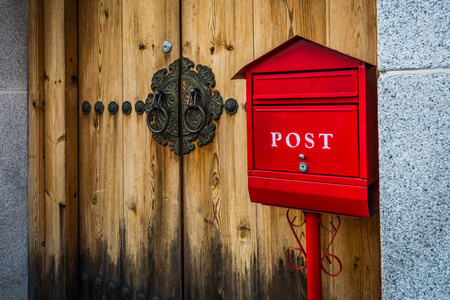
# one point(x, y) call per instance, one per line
point(152, 249)
point(219, 219)
point(71, 159)
point(60, 175)
point(352, 30)
point(36, 237)
point(275, 22)
point(100, 148)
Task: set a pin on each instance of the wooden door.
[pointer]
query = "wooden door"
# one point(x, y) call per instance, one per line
point(129, 206)
point(153, 224)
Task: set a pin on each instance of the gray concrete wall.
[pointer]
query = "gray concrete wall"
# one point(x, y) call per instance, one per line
point(414, 122)
point(13, 149)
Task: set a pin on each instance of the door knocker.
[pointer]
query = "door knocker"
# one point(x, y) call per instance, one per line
point(200, 106)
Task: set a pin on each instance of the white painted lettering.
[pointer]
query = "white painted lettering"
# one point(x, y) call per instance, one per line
point(309, 140)
point(297, 137)
point(276, 136)
point(325, 139)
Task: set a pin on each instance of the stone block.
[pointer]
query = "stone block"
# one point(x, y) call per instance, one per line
point(414, 135)
point(413, 34)
point(13, 45)
point(13, 195)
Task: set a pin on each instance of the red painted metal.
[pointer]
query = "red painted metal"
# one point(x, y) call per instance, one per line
point(327, 136)
point(313, 260)
point(306, 85)
point(328, 257)
point(305, 98)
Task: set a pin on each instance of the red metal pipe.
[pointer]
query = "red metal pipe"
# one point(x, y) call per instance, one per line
point(313, 259)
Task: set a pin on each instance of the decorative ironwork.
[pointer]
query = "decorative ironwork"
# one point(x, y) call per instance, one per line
point(328, 256)
point(86, 107)
point(139, 107)
point(231, 106)
point(334, 229)
point(126, 108)
point(199, 106)
point(300, 247)
point(99, 107)
point(113, 107)
point(157, 117)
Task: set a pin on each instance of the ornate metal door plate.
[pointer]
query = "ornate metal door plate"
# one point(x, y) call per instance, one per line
point(200, 106)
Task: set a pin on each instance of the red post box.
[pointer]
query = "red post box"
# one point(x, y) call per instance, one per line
point(312, 130)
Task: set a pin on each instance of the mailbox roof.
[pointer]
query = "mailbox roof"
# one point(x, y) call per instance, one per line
point(299, 54)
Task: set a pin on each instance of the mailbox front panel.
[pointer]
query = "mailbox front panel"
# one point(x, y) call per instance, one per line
point(323, 138)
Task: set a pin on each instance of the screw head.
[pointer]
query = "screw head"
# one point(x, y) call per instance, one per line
point(302, 156)
point(166, 46)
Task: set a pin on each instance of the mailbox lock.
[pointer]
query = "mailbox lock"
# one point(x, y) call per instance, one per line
point(303, 167)
point(302, 156)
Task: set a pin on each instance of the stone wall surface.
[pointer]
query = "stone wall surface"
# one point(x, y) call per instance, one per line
point(414, 147)
point(413, 34)
point(13, 149)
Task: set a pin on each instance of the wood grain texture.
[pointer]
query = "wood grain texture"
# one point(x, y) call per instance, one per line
point(152, 250)
point(60, 174)
point(219, 220)
point(352, 28)
point(36, 195)
point(101, 149)
point(71, 160)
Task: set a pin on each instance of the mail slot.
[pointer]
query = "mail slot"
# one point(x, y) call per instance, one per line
point(312, 130)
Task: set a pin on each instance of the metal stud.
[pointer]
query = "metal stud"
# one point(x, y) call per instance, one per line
point(99, 107)
point(113, 107)
point(86, 107)
point(231, 106)
point(98, 282)
point(84, 278)
point(141, 296)
point(139, 107)
point(126, 292)
point(126, 107)
point(112, 288)
point(302, 156)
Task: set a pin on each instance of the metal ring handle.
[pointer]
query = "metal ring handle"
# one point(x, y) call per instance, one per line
point(149, 124)
point(202, 124)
